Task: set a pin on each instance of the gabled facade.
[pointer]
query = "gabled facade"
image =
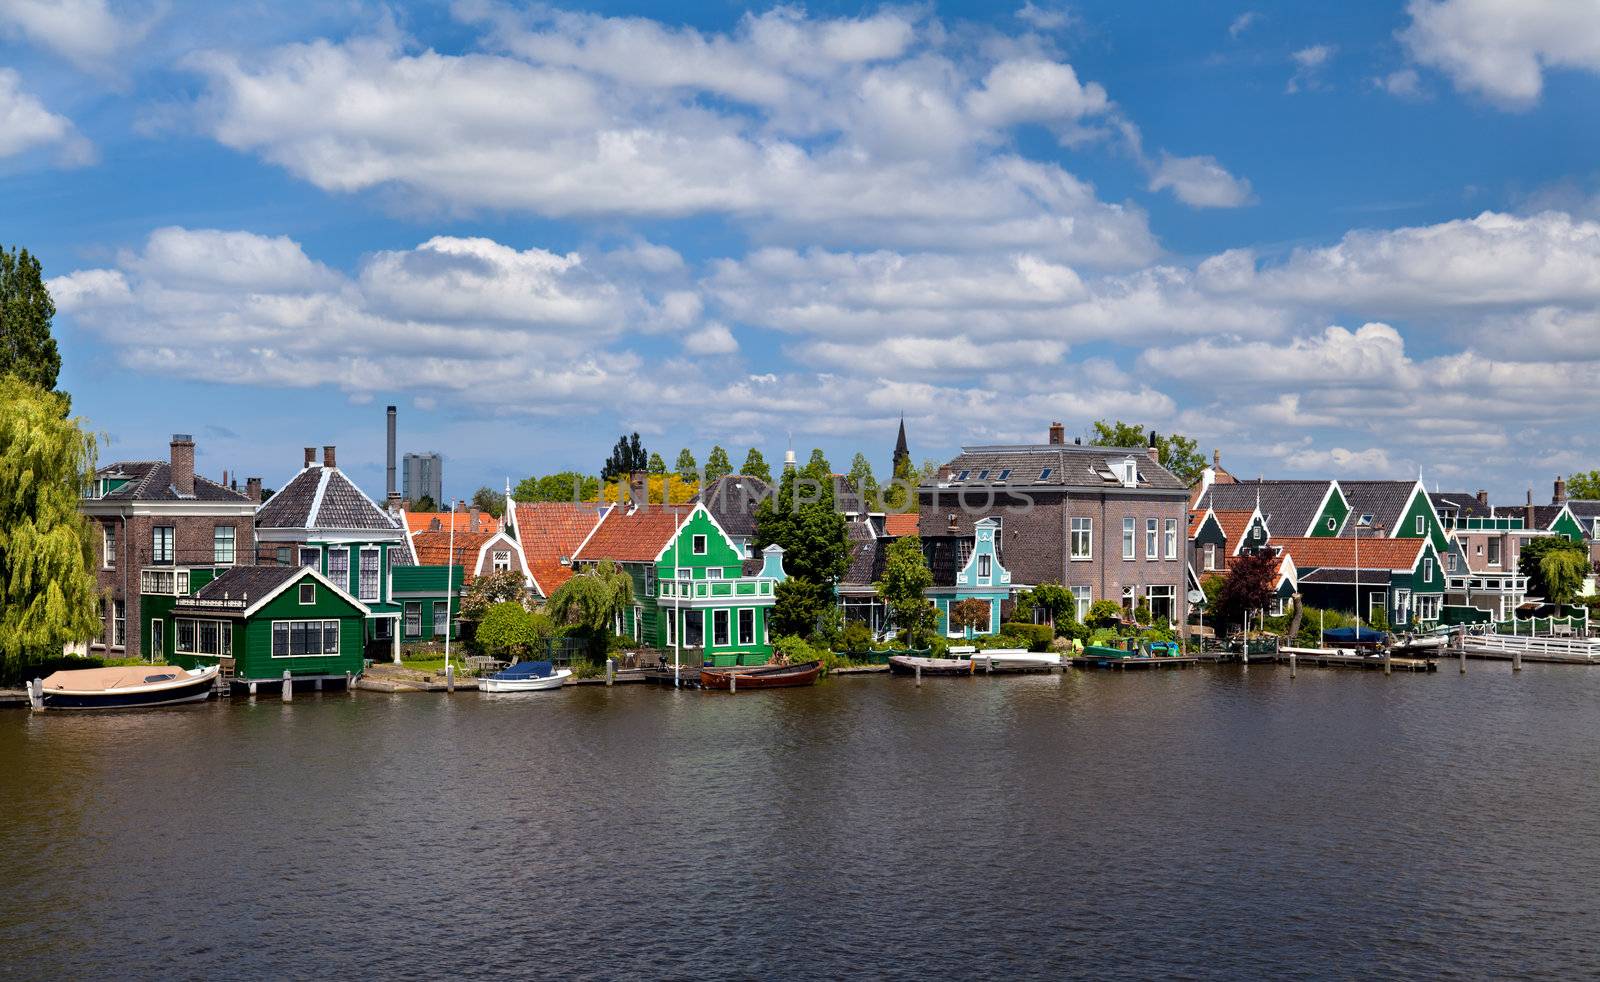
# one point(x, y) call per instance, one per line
point(549, 535)
point(1404, 578)
point(157, 517)
point(978, 575)
point(322, 520)
point(733, 501)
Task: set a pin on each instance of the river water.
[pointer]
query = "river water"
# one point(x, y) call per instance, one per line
point(1221, 823)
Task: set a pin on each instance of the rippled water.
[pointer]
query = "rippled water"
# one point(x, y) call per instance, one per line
point(1201, 823)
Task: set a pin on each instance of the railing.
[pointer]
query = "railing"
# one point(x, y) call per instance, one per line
point(1580, 647)
point(748, 586)
point(1535, 626)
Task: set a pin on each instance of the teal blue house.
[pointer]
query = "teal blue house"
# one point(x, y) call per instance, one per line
point(973, 572)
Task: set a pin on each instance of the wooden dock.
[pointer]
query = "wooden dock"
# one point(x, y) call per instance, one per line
point(1335, 660)
point(1139, 661)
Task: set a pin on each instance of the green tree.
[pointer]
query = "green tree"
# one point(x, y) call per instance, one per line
point(1249, 586)
point(488, 501)
point(686, 467)
point(1104, 613)
point(801, 518)
point(27, 349)
point(48, 593)
point(755, 465)
point(1054, 602)
point(903, 590)
point(565, 486)
point(900, 494)
point(656, 465)
point(1532, 564)
point(425, 503)
point(595, 599)
point(970, 613)
point(718, 464)
point(1584, 485)
point(862, 481)
point(797, 607)
point(817, 466)
point(509, 629)
point(1177, 453)
point(490, 589)
point(626, 457)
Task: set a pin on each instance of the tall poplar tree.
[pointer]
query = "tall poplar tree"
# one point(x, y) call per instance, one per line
point(27, 350)
point(718, 464)
point(686, 467)
point(48, 593)
point(755, 465)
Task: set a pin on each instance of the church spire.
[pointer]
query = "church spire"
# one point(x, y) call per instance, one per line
point(901, 451)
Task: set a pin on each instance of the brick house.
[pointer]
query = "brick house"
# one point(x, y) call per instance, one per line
point(152, 518)
point(1106, 522)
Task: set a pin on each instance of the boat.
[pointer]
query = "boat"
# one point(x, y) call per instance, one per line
point(908, 665)
point(124, 687)
point(1015, 660)
point(527, 676)
point(1353, 637)
point(1416, 644)
point(761, 676)
point(1107, 651)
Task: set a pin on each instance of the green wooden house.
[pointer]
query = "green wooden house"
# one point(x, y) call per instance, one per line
point(692, 592)
point(430, 602)
point(322, 520)
point(269, 620)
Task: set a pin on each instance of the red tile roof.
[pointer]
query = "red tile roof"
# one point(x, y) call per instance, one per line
point(422, 521)
point(550, 531)
point(1340, 553)
point(897, 524)
point(1234, 524)
point(433, 548)
point(636, 536)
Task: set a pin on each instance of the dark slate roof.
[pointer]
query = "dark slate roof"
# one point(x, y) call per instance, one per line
point(866, 556)
point(1385, 501)
point(151, 480)
point(1465, 503)
point(1584, 509)
point(342, 505)
point(732, 501)
point(1288, 506)
point(247, 582)
point(846, 497)
point(1070, 465)
point(1329, 576)
point(946, 557)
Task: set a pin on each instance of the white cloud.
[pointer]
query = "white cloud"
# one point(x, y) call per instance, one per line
point(1242, 23)
point(84, 32)
point(1034, 90)
point(1200, 181)
point(713, 339)
point(1371, 356)
point(1310, 62)
point(25, 124)
point(1043, 18)
point(1404, 83)
point(1373, 462)
point(1501, 49)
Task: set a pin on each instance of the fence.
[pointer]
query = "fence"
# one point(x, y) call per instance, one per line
point(1578, 647)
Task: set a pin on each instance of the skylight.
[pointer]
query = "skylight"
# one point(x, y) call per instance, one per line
point(1004, 473)
point(983, 475)
point(1044, 475)
point(963, 475)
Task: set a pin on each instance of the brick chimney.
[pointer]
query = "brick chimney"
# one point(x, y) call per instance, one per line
point(1216, 458)
point(1483, 498)
point(472, 519)
point(311, 456)
point(1058, 434)
point(183, 464)
point(328, 458)
point(1560, 497)
point(1529, 511)
point(639, 487)
point(1153, 451)
point(252, 488)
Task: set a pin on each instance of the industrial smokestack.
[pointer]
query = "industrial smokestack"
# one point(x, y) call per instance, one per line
point(389, 489)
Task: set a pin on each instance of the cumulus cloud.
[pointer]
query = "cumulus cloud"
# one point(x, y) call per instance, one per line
point(25, 124)
point(1500, 49)
point(1309, 62)
point(1199, 181)
point(84, 32)
point(713, 339)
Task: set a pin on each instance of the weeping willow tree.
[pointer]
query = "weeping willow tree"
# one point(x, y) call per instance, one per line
point(596, 599)
point(48, 592)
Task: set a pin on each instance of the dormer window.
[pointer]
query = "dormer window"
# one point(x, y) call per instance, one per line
point(1130, 473)
point(1365, 520)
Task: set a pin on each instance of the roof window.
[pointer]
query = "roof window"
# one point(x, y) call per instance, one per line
point(1004, 474)
point(983, 475)
point(1044, 475)
point(963, 475)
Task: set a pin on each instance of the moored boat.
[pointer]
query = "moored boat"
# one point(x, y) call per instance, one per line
point(1015, 659)
point(761, 676)
point(124, 687)
point(1415, 644)
point(528, 676)
point(908, 665)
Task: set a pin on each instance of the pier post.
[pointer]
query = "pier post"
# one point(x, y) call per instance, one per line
point(1388, 654)
point(449, 678)
point(1516, 660)
point(36, 694)
point(611, 669)
point(919, 674)
point(288, 687)
point(252, 691)
point(988, 665)
point(733, 682)
point(316, 685)
point(1463, 659)
point(1291, 664)
point(348, 687)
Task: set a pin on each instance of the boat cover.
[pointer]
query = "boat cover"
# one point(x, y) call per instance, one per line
point(114, 677)
point(1350, 635)
point(525, 670)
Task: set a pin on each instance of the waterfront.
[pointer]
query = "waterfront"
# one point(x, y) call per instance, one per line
point(1225, 822)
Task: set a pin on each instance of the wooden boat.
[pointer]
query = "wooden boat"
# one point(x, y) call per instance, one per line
point(124, 687)
point(1415, 644)
point(908, 665)
point(528, 676)
point(1014, 660)
point(1107, 651)
point(761, 676)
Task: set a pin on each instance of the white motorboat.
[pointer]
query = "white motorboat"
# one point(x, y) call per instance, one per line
point(528, 676)
point(123, 687)
point(1014, 659)
point(1422, 643)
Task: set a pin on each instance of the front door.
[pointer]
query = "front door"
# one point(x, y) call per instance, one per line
point(158, 648)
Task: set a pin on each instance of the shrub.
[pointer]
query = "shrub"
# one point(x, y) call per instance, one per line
point(1104, 636)
point(938, 647)
point(1072, 631)
point(1066, 646)
point(856, 636)
point(1104, 614)
point(1141, 613)
point(1038, 636)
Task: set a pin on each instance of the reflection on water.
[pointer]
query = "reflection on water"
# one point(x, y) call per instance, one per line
point(1216, 823)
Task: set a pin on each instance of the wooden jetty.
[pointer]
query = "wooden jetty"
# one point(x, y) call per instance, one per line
point(1339, 659)
point(1134, 661)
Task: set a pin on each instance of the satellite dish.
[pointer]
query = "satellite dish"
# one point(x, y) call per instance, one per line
point(1197, 598)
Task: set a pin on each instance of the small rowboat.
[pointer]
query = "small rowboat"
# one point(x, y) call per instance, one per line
point(908, 665)
point(528, 676)
point(761, 677)
point(124, 687)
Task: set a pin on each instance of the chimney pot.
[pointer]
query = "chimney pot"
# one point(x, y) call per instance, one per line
point(252, 488)
point(311, 456)
point(1058, 434)
point(328, 457)
point(1153, 451)
point(1216, 458)
point(1560, 497)
point(1483, 497)
point(639, 488)
point(183, 464)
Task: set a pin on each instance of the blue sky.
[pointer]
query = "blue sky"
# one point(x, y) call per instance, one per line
point(1362, 241)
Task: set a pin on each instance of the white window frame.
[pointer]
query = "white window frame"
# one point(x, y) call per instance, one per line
point(698, 545)
point(1152, 538)
point(747, 625)
point(1211, 557)
point(1379, 600)
point(300, 591)
point(217, 542)
point(119, 623)
point(316, 562)
point(341, 575)
point(501, 560)
point(1493, 557)
point(1402, 606)
point(324, 626)
point(1427, 569)
point(377, 573)
point(1172, 538)
point(108, 546)
point(1083, 599)
point(1082, 531)
point(1130, 598)
point(224, 637)
point(413, 615)
point(985, 565)
point(1129, 537)
point(1167, 592)
point(713, 572)
point(441, 609)
point(1422, 524)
